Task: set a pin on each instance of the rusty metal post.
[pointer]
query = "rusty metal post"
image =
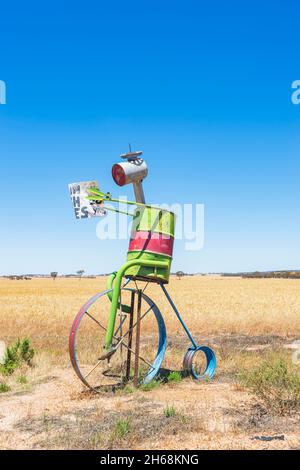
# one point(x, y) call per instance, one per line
point(128, 365)
point(137, 339)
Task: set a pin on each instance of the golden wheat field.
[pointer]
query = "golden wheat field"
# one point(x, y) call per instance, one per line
point(43, 309)
point(242, 319)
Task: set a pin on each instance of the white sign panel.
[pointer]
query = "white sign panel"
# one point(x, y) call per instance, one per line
point(83, 207)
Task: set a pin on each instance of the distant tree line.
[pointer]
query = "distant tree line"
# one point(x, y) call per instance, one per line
point(19, 278)
point(54, 274)
point(266, 275)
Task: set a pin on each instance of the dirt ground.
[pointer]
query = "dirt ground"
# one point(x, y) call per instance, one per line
point(56, 413)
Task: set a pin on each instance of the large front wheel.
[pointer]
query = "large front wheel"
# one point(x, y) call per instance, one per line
point(132, 345)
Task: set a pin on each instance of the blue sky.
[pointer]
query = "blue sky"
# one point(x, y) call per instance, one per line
point(203, 88)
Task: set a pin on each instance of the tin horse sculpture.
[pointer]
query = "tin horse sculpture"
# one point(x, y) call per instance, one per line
point(119, 335)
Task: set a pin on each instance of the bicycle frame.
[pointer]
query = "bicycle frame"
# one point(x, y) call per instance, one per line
point(114, 283)
point(115, 294)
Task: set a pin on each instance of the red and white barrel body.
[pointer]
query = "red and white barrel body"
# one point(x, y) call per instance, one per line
point(152, 239)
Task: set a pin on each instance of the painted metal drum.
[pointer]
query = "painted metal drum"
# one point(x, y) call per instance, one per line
point(152, 238)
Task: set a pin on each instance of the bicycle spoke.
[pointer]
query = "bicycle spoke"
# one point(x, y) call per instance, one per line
point(134, 352)
point(121, 343)
point(92, 370)
point(145, 287)
point(121, 324)
point(101, 326)
point(93, 318)
point(115, 333)
point(145, 361)
point(127, 347)
point(143, 316)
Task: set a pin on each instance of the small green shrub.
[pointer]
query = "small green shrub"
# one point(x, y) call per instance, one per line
point(22, 379)
point(128, 389)
point(26, 351)
point(4, 388)
point(18, 353)
point(275, 384)
point(169, 412)
point(174, 377)
point(150, 386)
point(122, 428)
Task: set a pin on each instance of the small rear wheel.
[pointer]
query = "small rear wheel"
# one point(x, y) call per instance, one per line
point(200, 362)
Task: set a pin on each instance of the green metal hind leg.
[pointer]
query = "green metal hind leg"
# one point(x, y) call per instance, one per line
point(117, 290)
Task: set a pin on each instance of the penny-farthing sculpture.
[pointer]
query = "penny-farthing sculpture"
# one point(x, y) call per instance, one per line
point(119, 335)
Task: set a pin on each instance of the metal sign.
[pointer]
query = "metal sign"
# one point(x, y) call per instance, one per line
point(83, 207)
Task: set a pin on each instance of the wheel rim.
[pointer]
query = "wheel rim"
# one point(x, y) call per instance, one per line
point(86, 353)
point(189, 362)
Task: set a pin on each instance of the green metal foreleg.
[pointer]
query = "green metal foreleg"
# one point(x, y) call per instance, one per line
point(117, 289)
point(110, 287)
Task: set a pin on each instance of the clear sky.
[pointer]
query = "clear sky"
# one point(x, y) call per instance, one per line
point(204, 88)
